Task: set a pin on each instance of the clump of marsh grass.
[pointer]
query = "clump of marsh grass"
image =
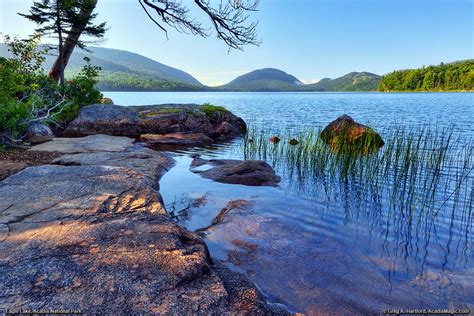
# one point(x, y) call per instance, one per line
point(417, 171)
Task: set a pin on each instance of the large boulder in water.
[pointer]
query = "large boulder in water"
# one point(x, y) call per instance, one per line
point(346, 134)
point(133, 121)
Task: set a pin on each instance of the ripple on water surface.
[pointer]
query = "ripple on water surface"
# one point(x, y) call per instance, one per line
point(318, 246)
point(317, 255)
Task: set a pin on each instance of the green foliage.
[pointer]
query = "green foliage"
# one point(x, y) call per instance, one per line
point(28, 95)
point(354, 81)
point(81, 91)
point(457, 76)
point(66, 21)
point(61, 16)
point(165, 110)
point(13, 115)
point(28, 55)
point(275, 80)
point(210, 109)
point(266, 79)
point(13, 85)
point(123, 81)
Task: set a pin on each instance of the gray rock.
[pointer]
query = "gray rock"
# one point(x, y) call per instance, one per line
point(134, 121)
point(177, 139)
point(92, 234)
point(246, 172)
point(93, 143)
point(143, 160)
point(97, 239)
point(38, 133)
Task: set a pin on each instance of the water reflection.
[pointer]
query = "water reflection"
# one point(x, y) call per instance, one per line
point(322, 245)
point(327, 250)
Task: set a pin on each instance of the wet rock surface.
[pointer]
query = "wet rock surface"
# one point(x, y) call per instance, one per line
point(246, 172)
point(299, 272)
point(344, 131)
point(176, 139)
point(134, 121)
point(92, 234)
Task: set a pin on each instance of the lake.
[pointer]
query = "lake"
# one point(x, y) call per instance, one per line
point(332, 244)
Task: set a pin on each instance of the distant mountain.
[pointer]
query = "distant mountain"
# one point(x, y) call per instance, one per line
point(126, 71)
point(354, 81)
point(123, 69)
point(267, 79)
point(270, 79)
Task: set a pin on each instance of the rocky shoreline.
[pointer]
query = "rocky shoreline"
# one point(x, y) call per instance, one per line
point(90, 232)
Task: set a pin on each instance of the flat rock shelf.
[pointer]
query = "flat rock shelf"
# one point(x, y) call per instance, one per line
point(90, 233)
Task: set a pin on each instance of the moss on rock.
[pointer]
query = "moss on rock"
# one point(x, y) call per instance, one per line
point(210, 109)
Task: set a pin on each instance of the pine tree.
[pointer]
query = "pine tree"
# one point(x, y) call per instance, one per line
point(66, 21)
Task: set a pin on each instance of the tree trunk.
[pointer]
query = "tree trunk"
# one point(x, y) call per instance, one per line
point(60, 44)
point(57, 70)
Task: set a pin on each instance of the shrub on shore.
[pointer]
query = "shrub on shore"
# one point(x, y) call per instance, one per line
point(28, 95)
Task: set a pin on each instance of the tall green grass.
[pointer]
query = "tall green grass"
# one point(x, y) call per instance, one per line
point(417, 171)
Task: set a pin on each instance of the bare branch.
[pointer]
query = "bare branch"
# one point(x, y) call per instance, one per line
point(229, 19)
point(151, 18)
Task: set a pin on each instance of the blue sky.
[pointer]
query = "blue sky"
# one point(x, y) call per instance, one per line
point(310, 39)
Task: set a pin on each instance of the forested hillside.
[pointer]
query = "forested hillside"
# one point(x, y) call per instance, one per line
point(354, 81)
point(123, 70)
point(456, 76)
point(266, 79)
point(125, 81)
point(270, 79)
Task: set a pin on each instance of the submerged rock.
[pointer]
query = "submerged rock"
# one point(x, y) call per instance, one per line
point(346, 134)
point(176, 139)
point(294, 141)
point(134, 121)
point(231, 205)
point(38, 133)
point(246, 172)
point(274, 139)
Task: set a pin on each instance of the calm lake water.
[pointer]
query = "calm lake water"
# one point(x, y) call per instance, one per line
point(332, 247)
